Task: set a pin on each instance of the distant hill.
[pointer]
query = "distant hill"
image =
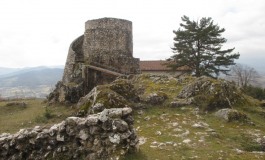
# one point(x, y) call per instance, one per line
point(47, 76)
point(29, 82)
point(6, 71)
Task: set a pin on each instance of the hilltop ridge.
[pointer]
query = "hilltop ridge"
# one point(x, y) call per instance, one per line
point(185, 117)
point(172, 117)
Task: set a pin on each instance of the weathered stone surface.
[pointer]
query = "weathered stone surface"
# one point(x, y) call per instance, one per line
point(104, 52)
point(100, 98)
point(98, 107)
point(66, 93)
point(211, 94)
point(89, 99)
point(156, 98)
point(119, 125)
point(92, 120)
point(125, 88)
point(74, 138)
point(115, 138)
point(232, 115)
point(180, 103)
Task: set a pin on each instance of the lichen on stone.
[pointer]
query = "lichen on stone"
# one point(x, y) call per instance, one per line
point(210, 94)
point(232, 115)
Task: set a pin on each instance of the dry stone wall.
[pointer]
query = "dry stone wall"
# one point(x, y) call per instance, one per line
point(106, 135)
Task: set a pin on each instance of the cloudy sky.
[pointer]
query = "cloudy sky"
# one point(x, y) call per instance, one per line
point(39, 32)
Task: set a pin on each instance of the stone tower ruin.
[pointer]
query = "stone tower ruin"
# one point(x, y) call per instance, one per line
point(104, 52)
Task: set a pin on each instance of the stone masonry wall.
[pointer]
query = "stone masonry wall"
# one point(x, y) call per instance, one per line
point(106, 135)
point(107, 44)
point(74, 57)
point(108, 35)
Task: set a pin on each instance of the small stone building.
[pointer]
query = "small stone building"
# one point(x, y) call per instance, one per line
point(102, 53)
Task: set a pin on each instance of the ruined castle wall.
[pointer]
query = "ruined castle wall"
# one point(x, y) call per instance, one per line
point(72, 65)
point(108, 43)
point(108, 36)
point(106, 135)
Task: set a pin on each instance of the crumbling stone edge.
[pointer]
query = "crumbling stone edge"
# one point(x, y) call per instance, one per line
point(106, 135)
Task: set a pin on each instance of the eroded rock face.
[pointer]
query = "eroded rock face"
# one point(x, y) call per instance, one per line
point(100, 98)
point(125, 88)
point(156, 98)
point(106, 135)
point(180, 103)
point(119, 94)
point(231, 115)
point(211, 94)
point(66, 93)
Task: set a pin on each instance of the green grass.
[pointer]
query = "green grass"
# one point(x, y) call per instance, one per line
point(13, 118)
point(173, 123)
point(169, 132)
point(153, 86)
point(218, 140)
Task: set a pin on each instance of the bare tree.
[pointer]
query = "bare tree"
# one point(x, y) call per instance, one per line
point(243, 75)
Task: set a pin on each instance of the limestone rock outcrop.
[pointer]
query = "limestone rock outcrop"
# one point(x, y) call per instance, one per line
point(231, 115)
point(118, 94)
point(106, 135)
point(104, 52)
point(210, 94)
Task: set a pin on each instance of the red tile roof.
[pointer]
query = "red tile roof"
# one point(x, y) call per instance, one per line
point(153, 66)
point(157, 65)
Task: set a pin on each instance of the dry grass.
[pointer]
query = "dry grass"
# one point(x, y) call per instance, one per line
point(13, 118)
point(170, 134)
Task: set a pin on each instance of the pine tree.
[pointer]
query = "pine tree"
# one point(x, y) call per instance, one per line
point(197, 45)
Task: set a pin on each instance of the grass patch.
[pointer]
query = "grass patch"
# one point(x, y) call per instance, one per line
point(13, 118)
point(44, 118)
point(248, 143)
point(168, 133)
point(180, 140)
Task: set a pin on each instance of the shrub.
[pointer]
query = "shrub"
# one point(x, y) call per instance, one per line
point(45, 116)
point(255, 92)
point(250, 145)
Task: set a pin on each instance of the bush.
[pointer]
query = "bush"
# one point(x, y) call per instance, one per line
point(255, 92)
point(45, 116)
point(250, 145)
point(48, 113)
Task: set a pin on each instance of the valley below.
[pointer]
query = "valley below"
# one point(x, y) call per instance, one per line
point(35, 82)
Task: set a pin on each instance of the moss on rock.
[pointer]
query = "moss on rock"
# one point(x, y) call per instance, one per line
point(206, 93)
point(125, 88)
point(232, 115)
point(104, 96)
point(210, 94)
point(156, 98)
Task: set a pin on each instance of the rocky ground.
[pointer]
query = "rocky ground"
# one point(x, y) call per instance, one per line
point(184, 117)
point(167, 133)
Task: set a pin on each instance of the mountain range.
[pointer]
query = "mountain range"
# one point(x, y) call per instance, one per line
point(28, 82)
point(40, 81)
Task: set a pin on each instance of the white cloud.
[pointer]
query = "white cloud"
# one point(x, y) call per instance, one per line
point(39, 32)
